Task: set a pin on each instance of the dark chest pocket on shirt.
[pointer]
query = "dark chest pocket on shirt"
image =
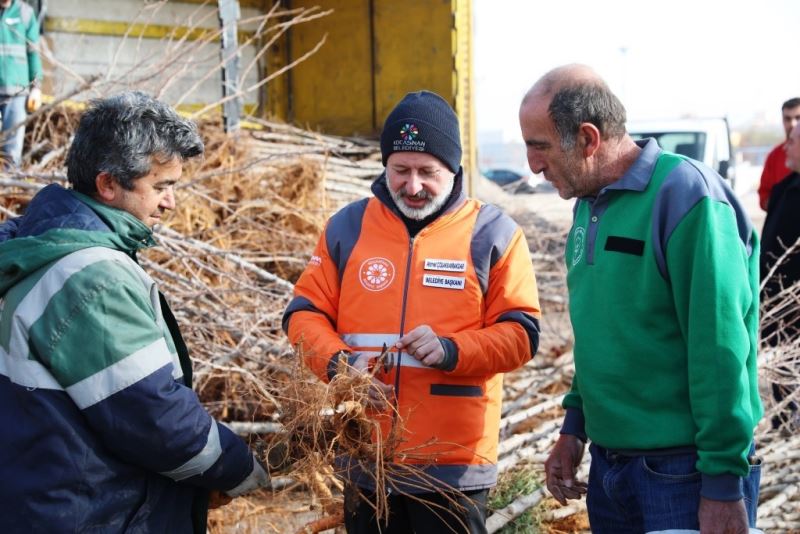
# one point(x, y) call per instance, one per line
point(625, 245)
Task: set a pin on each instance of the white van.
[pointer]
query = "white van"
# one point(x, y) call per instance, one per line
point(706, 140)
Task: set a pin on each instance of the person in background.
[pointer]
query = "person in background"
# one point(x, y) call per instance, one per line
point(20, 75)
point(662, 273)
point(447, 284)
point(101, 429)
point(781, 231)
point(775, 168)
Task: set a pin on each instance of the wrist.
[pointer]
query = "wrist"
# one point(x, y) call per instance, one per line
point(574, 424)
point(722, 487)
point(450, 358)
point(334, 362)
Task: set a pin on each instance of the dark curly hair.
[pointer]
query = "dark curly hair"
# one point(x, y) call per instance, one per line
point(122, 135)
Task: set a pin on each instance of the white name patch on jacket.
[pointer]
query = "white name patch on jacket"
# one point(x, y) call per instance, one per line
point(439, 280)
point(456, 266)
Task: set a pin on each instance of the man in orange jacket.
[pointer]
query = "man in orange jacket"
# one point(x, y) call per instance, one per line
point(445, 281)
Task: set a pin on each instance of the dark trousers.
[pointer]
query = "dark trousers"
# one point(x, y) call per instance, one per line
point(426, 513)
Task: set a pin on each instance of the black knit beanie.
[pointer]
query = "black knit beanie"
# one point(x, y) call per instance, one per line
point(423, 122)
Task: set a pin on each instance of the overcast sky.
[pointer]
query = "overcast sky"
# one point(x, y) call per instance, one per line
point(704, 58)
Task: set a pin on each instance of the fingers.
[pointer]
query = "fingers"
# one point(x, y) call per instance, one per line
point(384, 389)
point(416, 338)
point(563, 490)
point(217, 499)
point(575, 491)
point(379, 394)
point(431, 354)
point(560, 473)
point(555, 490)
point(553, 480)
point(361, 364)
point(570, 488)
point(423, 344)
point(567, 475)
point(413, 336)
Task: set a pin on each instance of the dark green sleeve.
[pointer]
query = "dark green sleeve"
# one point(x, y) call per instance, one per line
point(715, 288)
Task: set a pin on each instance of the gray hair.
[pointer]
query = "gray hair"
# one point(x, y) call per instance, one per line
point(592, 102)
point(122, 135)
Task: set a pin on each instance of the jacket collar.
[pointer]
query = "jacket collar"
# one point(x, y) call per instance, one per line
point(120, 222)
point(58, 222)
point(57, 208)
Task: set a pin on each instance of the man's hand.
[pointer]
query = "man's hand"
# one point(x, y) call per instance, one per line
point(423, 344)
point(379, 392)
point(217, 499)
point(34, 100)
point(561, 466)
point(258, 478)
point(722, 517)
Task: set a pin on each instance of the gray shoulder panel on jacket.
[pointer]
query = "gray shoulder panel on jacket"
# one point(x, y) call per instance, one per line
point(491, 236)
point(343, 232)
point(687, 184)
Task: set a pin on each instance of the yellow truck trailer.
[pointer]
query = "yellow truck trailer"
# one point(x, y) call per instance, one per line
point(374, 52)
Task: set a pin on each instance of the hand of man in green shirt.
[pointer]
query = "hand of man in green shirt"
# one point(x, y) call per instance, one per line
point(722, 517)
point(561, 467)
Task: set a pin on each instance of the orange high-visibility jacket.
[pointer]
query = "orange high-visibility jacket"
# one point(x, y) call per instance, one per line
point(469, 276)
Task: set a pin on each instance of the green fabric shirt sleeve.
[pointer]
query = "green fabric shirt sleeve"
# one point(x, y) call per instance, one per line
point(712, 275)
point(34, 61)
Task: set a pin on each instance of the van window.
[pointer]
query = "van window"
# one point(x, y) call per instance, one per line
point(690, 144)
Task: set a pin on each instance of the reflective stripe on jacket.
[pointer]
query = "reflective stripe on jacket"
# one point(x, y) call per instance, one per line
point(468, 275)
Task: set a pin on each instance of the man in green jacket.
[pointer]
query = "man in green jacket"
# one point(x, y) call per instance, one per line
point(20, 74)
point(662, 271)
point(101, 429)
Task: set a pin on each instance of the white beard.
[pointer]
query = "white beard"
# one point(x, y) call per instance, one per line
point(434, 204)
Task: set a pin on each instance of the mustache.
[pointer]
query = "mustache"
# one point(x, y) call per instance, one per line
point(422, 194)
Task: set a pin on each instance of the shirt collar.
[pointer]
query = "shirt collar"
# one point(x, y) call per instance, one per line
point(638, 175)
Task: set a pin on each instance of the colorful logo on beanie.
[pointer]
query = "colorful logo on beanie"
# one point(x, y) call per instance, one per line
point(376, 274)
point(408, 139)
point(409, 132)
